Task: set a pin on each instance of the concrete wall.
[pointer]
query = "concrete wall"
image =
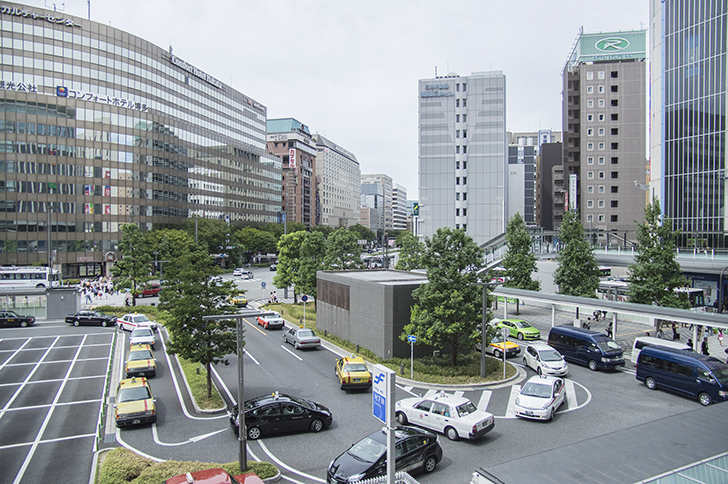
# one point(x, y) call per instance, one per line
point(63, 302)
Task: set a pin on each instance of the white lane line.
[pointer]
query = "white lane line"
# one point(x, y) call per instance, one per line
point(15, 352)
point(430, 393)
point(459, 394)
point(484, 400)
point(408, 389)
point(571, 394)
point(47, 441)
point(54, 380)
point(511, 410)
point(251, 357)
point(292, 353)
point(127, 446)
point(48, 405)
point(288, 468)
point(588, 398)
point(191, 440)
point(61, 361)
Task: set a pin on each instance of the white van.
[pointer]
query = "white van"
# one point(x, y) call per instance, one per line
point(642, 341)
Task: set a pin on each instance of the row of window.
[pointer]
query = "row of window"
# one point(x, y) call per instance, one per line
point(601, 218)
point(601, 189)
point(601, 103)
point(601, 131)
point(602, 204)
point(600, 117)
point(601, 146)
point(601, 89)
point(601, 160)
point(601, 75)
point(601, 175)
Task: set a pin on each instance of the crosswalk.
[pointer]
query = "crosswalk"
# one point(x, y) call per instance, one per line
point(501, 403)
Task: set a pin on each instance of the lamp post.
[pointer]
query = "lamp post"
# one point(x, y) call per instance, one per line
point(483, 329)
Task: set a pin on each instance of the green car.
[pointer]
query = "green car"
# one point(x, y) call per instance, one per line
point(520, 329)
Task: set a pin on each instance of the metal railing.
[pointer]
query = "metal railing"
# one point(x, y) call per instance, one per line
point(399, 478)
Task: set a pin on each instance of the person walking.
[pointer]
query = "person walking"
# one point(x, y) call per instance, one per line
point(609, 330)
point(704, 346)
point(675, 336)
point(720, 336)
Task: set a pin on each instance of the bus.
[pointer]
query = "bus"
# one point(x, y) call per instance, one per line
point(30, 277)
point(619, 291)
point(605, 272)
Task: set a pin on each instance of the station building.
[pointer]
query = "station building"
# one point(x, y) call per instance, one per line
point(102, 128)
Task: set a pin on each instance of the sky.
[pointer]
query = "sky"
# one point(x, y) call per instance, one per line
point(349, 70)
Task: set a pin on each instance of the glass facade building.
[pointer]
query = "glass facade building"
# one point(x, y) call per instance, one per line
point(688, 137)
point(102, 128)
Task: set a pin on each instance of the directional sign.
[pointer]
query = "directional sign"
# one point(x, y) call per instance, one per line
point(412, 338)
point(381, 389)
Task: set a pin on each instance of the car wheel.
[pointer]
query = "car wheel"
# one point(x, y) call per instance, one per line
point(451, 433)
point(401, 418)
point(525, 363)
point(317, 425)
point(520, 336)
point(592, 365)
point(430, 464)
point(23, 324)
point(539, 371)
point(253, 433)
point(705, 399)
point(76, 323)
point(497, 354)
point(103, 324)
point(551, 416)
point(295, 345)
point(651, 383)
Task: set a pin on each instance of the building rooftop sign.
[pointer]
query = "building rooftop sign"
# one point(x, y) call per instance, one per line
point(195, 71)
point(609, 46)
point(21, 12)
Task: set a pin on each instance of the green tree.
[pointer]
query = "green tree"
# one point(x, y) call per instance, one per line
point(519, 261)
point(133, 269)
point(448, 308)
point(310, 261)
point(326, 230)
point(211, 234)
point(289, 255)
point(170, 244)
point(363, 233)
point(264, 243)
point(343, 251)
point(410, 252)
point(192, 291)
point(577, 273)
point(655, 274)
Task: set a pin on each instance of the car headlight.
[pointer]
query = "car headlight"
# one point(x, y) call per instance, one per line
point(545, 405)
point(355, 478)
point(518, 400)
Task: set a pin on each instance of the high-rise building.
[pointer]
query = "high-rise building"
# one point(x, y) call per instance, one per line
point(604, 130)
point(372, 206)
point(688, 110)
point(292, 142)
point(462, 158)
point(387, 193)
point(399, 207)
point(549, 184)
point(338, 185)
point(102, 128)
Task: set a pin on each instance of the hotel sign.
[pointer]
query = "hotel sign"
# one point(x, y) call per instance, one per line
point(437, 90)
point(17, 12)
point(195, 71)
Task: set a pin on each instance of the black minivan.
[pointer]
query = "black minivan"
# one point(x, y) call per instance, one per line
point(683, 372)
point(590, 348)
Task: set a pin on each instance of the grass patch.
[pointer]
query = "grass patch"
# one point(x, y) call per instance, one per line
point(198, 386)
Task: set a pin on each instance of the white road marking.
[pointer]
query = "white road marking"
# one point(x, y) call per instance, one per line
point(484, 400)
point(46, 441)
point(251, 357)
point(511, 410)
point(288, 468)
point(571, 394)
point(588, 398)
point(191, 440)
point(430, 393)
point(459, 394)
point(408, 389)
point(292, 353)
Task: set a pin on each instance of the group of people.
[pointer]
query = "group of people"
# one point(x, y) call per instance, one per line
point(97, 289)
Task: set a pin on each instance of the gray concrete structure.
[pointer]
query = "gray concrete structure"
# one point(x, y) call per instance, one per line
point(369, 308)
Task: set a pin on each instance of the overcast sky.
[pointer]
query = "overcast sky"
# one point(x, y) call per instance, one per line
point(349, 70)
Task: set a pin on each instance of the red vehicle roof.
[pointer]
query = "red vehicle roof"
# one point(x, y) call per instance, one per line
point(214, 476)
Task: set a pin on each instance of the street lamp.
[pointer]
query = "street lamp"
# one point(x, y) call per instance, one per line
point(483, 329)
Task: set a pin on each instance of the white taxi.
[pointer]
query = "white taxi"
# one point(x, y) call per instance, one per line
point(454, 416)
point(540, 397)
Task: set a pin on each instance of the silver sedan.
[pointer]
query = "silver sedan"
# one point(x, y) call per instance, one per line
point(301, 337)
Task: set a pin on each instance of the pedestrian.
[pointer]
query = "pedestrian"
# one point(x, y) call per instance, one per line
point(596, 315)
point(690, 343)
point(609, 330)
point(647, 333)
point(88, 297)
point(704, 347)
point(660, 333)
point(720, 336)
point(675, 336)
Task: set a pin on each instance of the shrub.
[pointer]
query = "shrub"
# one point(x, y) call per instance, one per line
point(122, 465)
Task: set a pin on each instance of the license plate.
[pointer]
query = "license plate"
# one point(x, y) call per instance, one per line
point(357, 380)
point(530, 414)
point(136, 421)
point(141, 373)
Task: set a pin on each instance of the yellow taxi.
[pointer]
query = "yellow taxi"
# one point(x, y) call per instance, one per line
point(140, 361)
point(498, 345)
point(239, 300)
point(353, 373)
point(134, 403)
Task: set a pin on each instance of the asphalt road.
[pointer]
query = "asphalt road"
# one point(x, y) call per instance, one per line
point(53, 380)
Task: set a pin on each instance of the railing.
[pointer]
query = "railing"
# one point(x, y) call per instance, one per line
point(399, 478)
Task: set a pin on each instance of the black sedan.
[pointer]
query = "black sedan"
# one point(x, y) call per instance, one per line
point(10, 318)
point(415, 449)
point(95, 318)
point(278, 413)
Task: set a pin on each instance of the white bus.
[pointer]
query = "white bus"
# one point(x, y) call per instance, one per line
point(29, 277)
point(619, 291)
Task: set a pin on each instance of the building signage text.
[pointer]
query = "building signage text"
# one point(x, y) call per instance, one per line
point(612, 44)
point(196, 72)
point(28, 13)
point(437, 90)
point(62, 91)
point(292, 158)
point(18, 86)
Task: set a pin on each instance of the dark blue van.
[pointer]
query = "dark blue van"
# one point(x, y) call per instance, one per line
point(586, 347)
point(683, 372)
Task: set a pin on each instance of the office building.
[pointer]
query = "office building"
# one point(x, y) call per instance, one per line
point(462, 158)
point(549, 185)
point(102, 128)
point(385, 181)
point(292, 142)
point(399, 207)
point(372, 206)
point(338, 185)
point(688, 110)
point(604, 131)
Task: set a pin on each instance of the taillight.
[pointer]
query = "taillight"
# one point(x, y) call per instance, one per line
point(475, 429)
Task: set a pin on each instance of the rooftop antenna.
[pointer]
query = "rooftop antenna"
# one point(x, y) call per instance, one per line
point(63, 7)
point(435, 72)
point(89, 9)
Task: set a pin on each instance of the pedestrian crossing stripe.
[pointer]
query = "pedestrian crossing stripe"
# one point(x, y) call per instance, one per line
point(511, 410)
point(571, 394)
point(484, 400)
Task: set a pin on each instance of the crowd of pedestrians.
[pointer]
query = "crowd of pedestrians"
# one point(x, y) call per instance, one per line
point(97, 289)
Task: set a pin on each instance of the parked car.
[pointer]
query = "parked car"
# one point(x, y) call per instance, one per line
point(591, 348)
point(134, 403)
point(11, 318)
point(278, 413)
point(150, 290)
point(353, 373)
point(140, 361)
point(455, 416)
point(519, 329)
point(273, 267)
point(238, 272)
point(214, 476)
point(271, 321)
point(142, 335)
point(87, 317)
point(130, 321)
point(301, 337)
point(540, 397)
point(498, 345)
point(239, 300)
point(246, 274)
point(415, 449)
point(545, 360)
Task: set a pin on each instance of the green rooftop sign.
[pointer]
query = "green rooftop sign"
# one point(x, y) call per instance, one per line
point(609, 46)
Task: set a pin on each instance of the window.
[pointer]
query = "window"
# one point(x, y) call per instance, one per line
point(615, 131)
point(615, 146)
point(457, 116)
point(615, 117)
point(457, 87)
point(601, 103)
point(589, 89)
point(601, 117)
point(465, 150)
point(590, 189)
point(589, 76)
point(615, 102)
point(590, 103)
point(590, 117)
point(615, 160)
point(601, 203)
point(457, 196)
point(615, 189)
point(465, 165)
point(601, 188)
point(457, 165)
point(590, 132)
point(457, 133)
point(615, 218)
point(465, 212)
point(601, 146)
point(457, 212)
point(615, 88)
point(601, 160)
point(615, 203)
point(601, 74)
point(601, 131)
point(457, 103)
point(615, 74)
point(601, 174)
point(590, 204)
point(465, 133)
point(465, 196)
point(615, 174)
point(601, 89)
point(465, 118)
point(465, 103)
point(590, 146)
point(590, 160)
point(590, 175)
point(589, 218)
point(600, 218)
point(465, 86)
point(457, 180)
point(465, 180)
point(457, 150)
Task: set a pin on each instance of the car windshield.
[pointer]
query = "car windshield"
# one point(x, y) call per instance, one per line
point(721, 374)
point(133, 394)
point(608, 345)
point(550, 355)
point(139, 332)
point(539, 390)
point(368, 450)
point(497, 339)
point(140, 319)
point(466, 409)
point(140, 355)
point(302, 402)
point(355, 367)
point(523, 324)
point(306, 333)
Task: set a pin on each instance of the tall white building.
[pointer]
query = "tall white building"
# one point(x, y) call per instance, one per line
point(462, 159)
point(387, 186)
point(338, 185)
point(399, 207)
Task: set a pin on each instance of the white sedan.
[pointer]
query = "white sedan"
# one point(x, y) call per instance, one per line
point(456, 417)
point(540, 397)
point(129, 322)
point(142, 335)
point(545, 360)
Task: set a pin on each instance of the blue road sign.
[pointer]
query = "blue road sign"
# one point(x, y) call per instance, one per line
point(379, 392)
point(412, 338)
point(304, 298)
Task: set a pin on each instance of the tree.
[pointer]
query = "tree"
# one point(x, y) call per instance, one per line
point(448, 307)
point(362, 232)
point(410, 252)
point(192, 291)
point(289, 254)
point(170, 244)
point(578, 272)
point(134, 267)
point(211, 234)
point(311, 255)
point(343, 251)
point(655, 274)
point(326, 230)
point(519, 262)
